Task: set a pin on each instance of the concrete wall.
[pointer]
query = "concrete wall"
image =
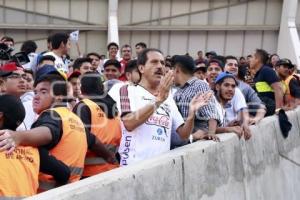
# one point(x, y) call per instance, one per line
point(265, 167)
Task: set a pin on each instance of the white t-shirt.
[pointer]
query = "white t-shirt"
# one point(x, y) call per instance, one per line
point(30, 117)
point(59, 63)
point(237, 102)
point(32, 61)
point(152, 137)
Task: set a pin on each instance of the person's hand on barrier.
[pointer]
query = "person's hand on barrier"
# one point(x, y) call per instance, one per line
point(254, 120)
point(247, 131)
point(237, 130)
point(200, 135)
point(7, 141)
point(233, 123)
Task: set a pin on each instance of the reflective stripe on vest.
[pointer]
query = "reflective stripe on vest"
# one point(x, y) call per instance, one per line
point(263, 87)
point(99, 160)
point(76, 171)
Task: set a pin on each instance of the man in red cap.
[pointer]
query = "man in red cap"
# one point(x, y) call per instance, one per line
point(14, 83)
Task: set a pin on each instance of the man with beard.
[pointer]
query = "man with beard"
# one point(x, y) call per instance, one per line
point(224, 90)
point(236, 111)
point(149, 113)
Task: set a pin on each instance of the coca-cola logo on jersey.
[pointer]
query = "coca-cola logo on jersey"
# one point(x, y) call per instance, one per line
point(159, 120)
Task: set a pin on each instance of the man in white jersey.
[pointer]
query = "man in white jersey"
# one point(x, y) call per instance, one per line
point(149, 113)
point(60, 43)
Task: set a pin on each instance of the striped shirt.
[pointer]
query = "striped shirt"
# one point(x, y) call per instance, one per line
point(183, 97)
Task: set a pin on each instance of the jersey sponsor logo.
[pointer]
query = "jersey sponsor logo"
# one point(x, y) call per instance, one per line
point(125, 153)
point(159, 136)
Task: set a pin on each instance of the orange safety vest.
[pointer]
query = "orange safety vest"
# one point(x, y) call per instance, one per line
point(71, 149)
point(108, 131)
point(288, 97)
point(19, 172)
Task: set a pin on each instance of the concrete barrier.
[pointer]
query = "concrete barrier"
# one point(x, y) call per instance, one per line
point(265, 167)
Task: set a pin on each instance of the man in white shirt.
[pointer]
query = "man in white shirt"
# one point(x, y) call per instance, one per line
point(60, 43)
point(149, 113)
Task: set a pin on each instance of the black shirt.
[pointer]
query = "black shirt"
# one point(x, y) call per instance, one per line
point(268, 75)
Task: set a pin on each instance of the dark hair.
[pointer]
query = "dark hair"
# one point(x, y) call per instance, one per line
point(7, 39)
point(231, 58)
point(216, 61)
point(143, 57)
point(49, 39)
point(59, 38)
point(28, 71)
point(28, 47)
point(112, 44)
point(125, 46)
point(132, 65)
point(142, 44)
point(79, 61)
point(48, 57)
point(59, 85)
point(184, 62)
point(115, 63)
point(263, 55)
point(91, 84)
point(93, 54)
point(242, 57)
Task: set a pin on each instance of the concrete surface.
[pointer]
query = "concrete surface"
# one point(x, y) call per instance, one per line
point(265, 167)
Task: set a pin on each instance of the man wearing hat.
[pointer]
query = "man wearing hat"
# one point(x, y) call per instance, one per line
point(225, 89)
point(290, 82)
point(19, 169)
point(236, 111)
point(189, 86)
point(14, 83)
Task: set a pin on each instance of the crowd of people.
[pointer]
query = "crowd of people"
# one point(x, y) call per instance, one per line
point(63, 120)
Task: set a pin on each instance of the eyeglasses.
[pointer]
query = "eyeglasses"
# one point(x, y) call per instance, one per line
point(232, 64)
point(17, 76)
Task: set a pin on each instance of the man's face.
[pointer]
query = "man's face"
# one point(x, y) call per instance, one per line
point(283, 71)
point(75, 82)
point(200, 74)
point(10, 44)
point(231, 66)
point(43, 98)
point(254, 61)
point(95, 62)
point(226, 89)
point(154, 68)
point(86, 67)
point(29, 82)
point(274, 60)
point(126, 53)
point(66, 47)
point(15, 84)
point(138, 49)
point(112, 51)
point(111, 72)
point(200, 54)
point(213, 71)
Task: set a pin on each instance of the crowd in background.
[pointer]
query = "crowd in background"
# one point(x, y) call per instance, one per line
point(63, 119)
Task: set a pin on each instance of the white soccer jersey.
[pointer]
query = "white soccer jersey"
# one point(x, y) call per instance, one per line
point(152, 137)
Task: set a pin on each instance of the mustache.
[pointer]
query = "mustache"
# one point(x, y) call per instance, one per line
point(159, 71)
